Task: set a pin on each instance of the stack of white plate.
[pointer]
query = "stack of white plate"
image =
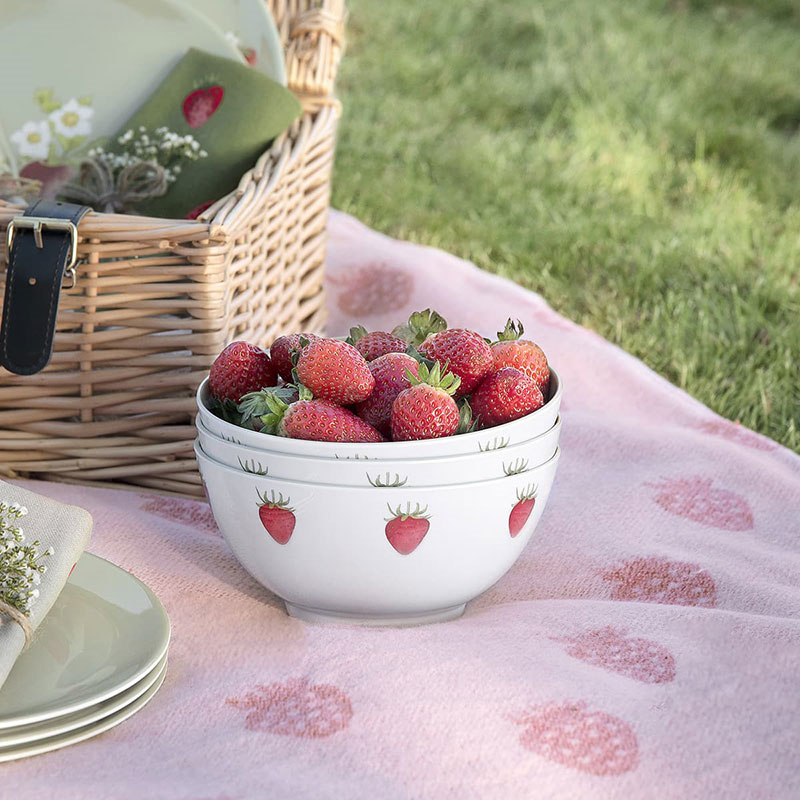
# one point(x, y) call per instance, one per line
point(97, 659)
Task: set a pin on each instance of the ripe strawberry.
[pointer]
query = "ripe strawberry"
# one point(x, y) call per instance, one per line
point(390, 376)
point(465, 354)
point(511, 351)
point(335, 371)
point(281, 352)
point(376, 344)
point(420, 325)
point(317, 420)
point(521, 511)
point(240, 368)
point(276, 517)
point(426, 409)
point(406, 529)
point(503, 396)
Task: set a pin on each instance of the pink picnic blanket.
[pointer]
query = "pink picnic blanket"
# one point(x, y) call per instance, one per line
point(646, 645)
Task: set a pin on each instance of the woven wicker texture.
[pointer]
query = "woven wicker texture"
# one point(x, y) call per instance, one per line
point(156, 300)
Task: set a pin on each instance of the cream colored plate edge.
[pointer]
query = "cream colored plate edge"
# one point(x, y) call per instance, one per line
point(25, 734)
point(87, 732)
point(18, 722)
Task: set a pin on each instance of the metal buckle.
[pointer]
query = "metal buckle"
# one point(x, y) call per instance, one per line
point(36, 224)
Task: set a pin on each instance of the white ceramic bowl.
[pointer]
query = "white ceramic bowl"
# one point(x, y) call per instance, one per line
point(346, 554)
point(520, 430)
point(346, 471)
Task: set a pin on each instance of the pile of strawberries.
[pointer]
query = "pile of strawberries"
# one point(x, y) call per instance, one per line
point(421, 381)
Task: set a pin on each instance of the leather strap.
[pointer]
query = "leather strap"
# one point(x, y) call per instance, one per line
point(36, 264)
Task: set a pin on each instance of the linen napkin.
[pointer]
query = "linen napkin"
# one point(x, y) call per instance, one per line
point(62, 532)
point(232, 111)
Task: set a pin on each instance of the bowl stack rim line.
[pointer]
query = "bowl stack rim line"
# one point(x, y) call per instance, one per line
point(529, 475)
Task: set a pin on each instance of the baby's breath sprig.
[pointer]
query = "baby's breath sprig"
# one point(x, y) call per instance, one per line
point(21, 569)
point(160, 146)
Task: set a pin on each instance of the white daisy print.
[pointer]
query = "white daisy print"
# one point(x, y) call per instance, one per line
point(33, 139)
point(72, 119)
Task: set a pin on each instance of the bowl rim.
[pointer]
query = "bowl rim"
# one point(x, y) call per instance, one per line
point(553, 430)
point(553, 460)
point(420, 444)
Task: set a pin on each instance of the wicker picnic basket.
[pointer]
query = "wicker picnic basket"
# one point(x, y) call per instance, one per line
point(157, 299)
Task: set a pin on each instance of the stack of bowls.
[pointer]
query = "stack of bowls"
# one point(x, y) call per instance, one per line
point(396, 533)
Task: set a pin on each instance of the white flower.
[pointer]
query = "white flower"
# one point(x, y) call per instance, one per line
point(72, 119)
point(33, 139)
point(233, 39)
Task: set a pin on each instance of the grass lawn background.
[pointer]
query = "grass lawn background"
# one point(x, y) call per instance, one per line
point(637, 163)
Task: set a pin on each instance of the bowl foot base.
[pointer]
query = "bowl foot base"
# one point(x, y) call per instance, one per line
point(376, 620)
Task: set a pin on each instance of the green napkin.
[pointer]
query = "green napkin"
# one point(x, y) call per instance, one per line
point(231, 110)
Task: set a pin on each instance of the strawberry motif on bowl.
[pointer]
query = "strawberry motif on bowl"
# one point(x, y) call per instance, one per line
point(406, 529)
point(522, 510)
point(276, 517)
point(387, 480)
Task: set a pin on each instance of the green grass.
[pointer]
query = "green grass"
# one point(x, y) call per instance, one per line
point(635, 162)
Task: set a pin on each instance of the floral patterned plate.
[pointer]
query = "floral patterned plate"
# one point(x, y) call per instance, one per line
point(105, 632)
point(248, 24)
point(71, 77)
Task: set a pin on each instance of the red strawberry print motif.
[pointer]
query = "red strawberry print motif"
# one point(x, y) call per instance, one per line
point(521, 510)
point(609, 648)
point(276, 517)
point(374, 289)
point(572, 735)
point(201, 104)
point(296, 708)
point(198, 210)
point(696, 499)
point(406, 529)
point(198, 515)
point(655, 579)
point(735, 432)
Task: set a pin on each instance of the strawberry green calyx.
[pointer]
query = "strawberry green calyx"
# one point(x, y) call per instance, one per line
point(420, 325)
point(529, 493)
point(433, 377)
point(511, 332)
point(270, 401)
point(226, 410)
point(387, 481)
point(466, 423)
point(398, 513)
point(272, 501)
point(516, 468)
point(417, 356)
point(270, 405)
point(356, 332)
